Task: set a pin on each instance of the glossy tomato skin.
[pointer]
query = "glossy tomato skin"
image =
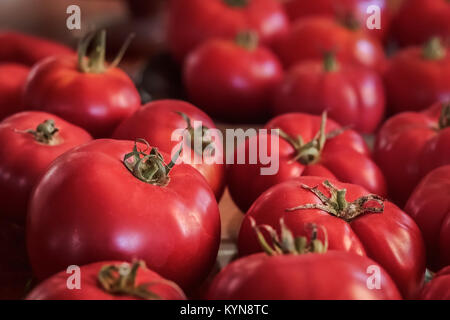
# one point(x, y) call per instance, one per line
point(390, 238)
point(300, 277)
point(404, 163)
point(23, 159)
point(231, 82)
point(429, 206)
point(345, 157)
point(55, 287)
point(413, 82)
point(419, 20)
point(95, 102)
point(27, 50)
point(12, 80)
point(311, 37)
point(342, 9)
point(191, 22)
point(110, 214)
point(439, 287)
point(164, 120)
point(353, 96)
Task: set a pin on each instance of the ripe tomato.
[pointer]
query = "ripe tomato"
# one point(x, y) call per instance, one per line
point(29, 142)
point(411, 144)
point(419, 20)
point(12, 80)
point(352, 12)
point(429, 206)
point(24, 49)
point(191, 22)
point(227, 79)
point(296, 268)
point(353, 96)
point(83, 91)
point(439, 287)
point(417, 77)
point(355, 221)
point(308, 146)
point(165, 118)
point(112, 280)
point(310, 37)
point(120, 203)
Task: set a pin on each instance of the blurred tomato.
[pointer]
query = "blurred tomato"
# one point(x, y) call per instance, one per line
point(12, 80)
point(233, 81)
point(352, 95)
point(191, 22)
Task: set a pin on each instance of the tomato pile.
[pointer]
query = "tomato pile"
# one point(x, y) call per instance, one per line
point(100, 199)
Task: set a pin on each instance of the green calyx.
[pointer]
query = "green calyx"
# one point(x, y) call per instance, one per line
point(444, 119)
point(196, 138)
point(236, 3)
point(149, 168)
point(338, 206)
point(329, 62)
point(121, 280)
point(309, 153)
point(247, 39)
point(286, 243)
point(434, 50)
point(94, 61)
point(45, 133)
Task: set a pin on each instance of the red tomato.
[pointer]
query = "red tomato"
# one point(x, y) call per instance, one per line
point(355, 221)
point(301, 152)
point(311, 37)
point(110, 280)
point(411, 144)
point(419, 20)
point(439, 287)
point(297, 270)
point(29, 142)
point(87, 93)
point(115, 208)
point(191, 22)
point(353, 96)
point(353, 12)
point(25, 49)
point(15, 271)
point(429, 206)
point(12, 80)
point(232, 81)
point(417, 77)
point(165, 119)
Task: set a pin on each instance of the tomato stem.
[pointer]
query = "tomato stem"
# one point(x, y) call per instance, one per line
point(444, 119)
point(433, 49)
point(196, 136)
point(287, 243)
point(247, 39)
point(236, 3)
point(45, 132)
point(149, 168)
point(338, 206)
point(329, 62)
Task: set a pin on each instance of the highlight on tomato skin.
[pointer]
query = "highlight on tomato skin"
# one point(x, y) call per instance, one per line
point(107, 280)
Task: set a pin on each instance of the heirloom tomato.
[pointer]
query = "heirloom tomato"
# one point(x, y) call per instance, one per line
point(355, 13)
point(310, 37)
point(157, 121)
point(419, 20)
point(429, 206)
point(416, 77)
point(411, 144)
point(12, 80)
point(306, 146)
point(353, 96)
point(439, 287)
point(298, 268)
point(83, 91)
point(233, 81)
point(29, 142)
point(112, 199)
point(192, 22)
point(355, 221)
point(111, 280)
